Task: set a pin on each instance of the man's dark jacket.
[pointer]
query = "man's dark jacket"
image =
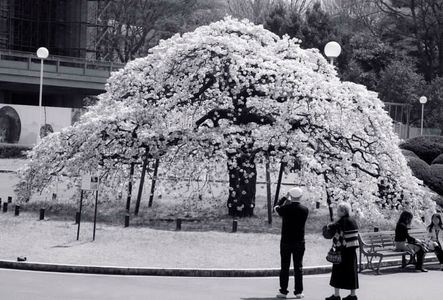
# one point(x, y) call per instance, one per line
point(294, 217)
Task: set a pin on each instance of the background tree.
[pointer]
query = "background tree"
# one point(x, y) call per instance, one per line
point(226, 97)
point(255, 11)
point(317, 29)
point(434, 107)
point(131, 27)
point(417, 26)
point(367, 56)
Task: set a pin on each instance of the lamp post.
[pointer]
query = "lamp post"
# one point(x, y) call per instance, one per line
point(422, 100)
point(332, 50)
point(42, 53)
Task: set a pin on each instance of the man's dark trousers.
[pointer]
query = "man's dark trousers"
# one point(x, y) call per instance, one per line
point(297, 250)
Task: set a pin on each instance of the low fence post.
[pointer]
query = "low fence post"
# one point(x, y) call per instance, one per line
point(234, 225)
point(42, 214)
point(5, 207)
point(17, 210)
point(178, 226)
point(127, 221)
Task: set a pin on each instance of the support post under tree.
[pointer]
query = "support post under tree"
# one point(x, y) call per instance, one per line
point(328, 198)
point(95, 215)
point(80, 214)
point(128, 199)
point(142, 182)
point(268, 190)
point(280, 176)
point(154, 180)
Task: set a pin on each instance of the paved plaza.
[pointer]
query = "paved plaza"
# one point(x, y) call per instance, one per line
point(25, 285)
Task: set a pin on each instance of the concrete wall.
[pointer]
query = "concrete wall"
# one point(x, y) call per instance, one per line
point(25, 120)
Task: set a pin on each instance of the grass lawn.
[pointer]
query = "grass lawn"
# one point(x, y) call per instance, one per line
point(54, 241)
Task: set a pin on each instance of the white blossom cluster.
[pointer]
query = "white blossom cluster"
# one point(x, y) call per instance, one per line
point(199, 98)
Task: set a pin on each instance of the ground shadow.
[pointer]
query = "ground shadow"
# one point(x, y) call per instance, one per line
point(397, 269)
point(265, 298)
point(260, 298)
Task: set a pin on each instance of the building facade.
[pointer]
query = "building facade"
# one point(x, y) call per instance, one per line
point(71, 73)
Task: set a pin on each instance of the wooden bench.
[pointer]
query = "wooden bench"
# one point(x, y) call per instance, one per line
point(375, 246)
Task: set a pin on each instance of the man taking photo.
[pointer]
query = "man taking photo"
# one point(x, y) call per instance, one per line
point(292, 243)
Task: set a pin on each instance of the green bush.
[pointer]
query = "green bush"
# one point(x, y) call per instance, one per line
point(419, 168)
point(439, 201)
point(13, 151)
point(438, 160)
point(426, 147)
point(408, 153)
point(435, 180)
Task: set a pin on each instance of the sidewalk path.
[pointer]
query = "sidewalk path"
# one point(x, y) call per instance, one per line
point(24, 285)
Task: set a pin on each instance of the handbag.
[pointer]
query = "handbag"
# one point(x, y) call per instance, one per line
point(334, 255)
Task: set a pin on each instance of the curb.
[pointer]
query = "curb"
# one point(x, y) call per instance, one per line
point(115, 270)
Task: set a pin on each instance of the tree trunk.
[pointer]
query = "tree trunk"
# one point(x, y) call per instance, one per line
point(242, 184)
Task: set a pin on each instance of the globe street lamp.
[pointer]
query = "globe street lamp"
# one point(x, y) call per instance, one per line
point(42, 53)
point(332, 50)
point(422, 100)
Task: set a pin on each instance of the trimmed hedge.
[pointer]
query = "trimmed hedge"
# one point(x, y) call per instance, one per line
point(419, 168)
point(13, 151)
point(435, 180)
point(425, 147)
point(438, 160)
point(408, 153)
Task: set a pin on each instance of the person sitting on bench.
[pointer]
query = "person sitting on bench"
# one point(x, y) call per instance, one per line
point(405, 242)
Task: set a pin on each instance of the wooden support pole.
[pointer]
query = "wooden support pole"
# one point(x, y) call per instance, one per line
point(154, 180)
point(128, 199)
point(268, 190)
point(280, 176)
point(95, 215)
point(80, 214)
point(140, 187)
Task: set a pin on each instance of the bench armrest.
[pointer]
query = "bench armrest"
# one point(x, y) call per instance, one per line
point(363, 245)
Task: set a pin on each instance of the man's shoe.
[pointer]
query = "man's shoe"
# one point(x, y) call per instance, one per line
point(421, 270)
point(281, 295)
point(333, 297)
point(299, 296)
point(350, 297)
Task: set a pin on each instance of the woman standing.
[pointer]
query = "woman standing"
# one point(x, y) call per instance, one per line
point(405, 242)
point(344, 275)
point(435, 234)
